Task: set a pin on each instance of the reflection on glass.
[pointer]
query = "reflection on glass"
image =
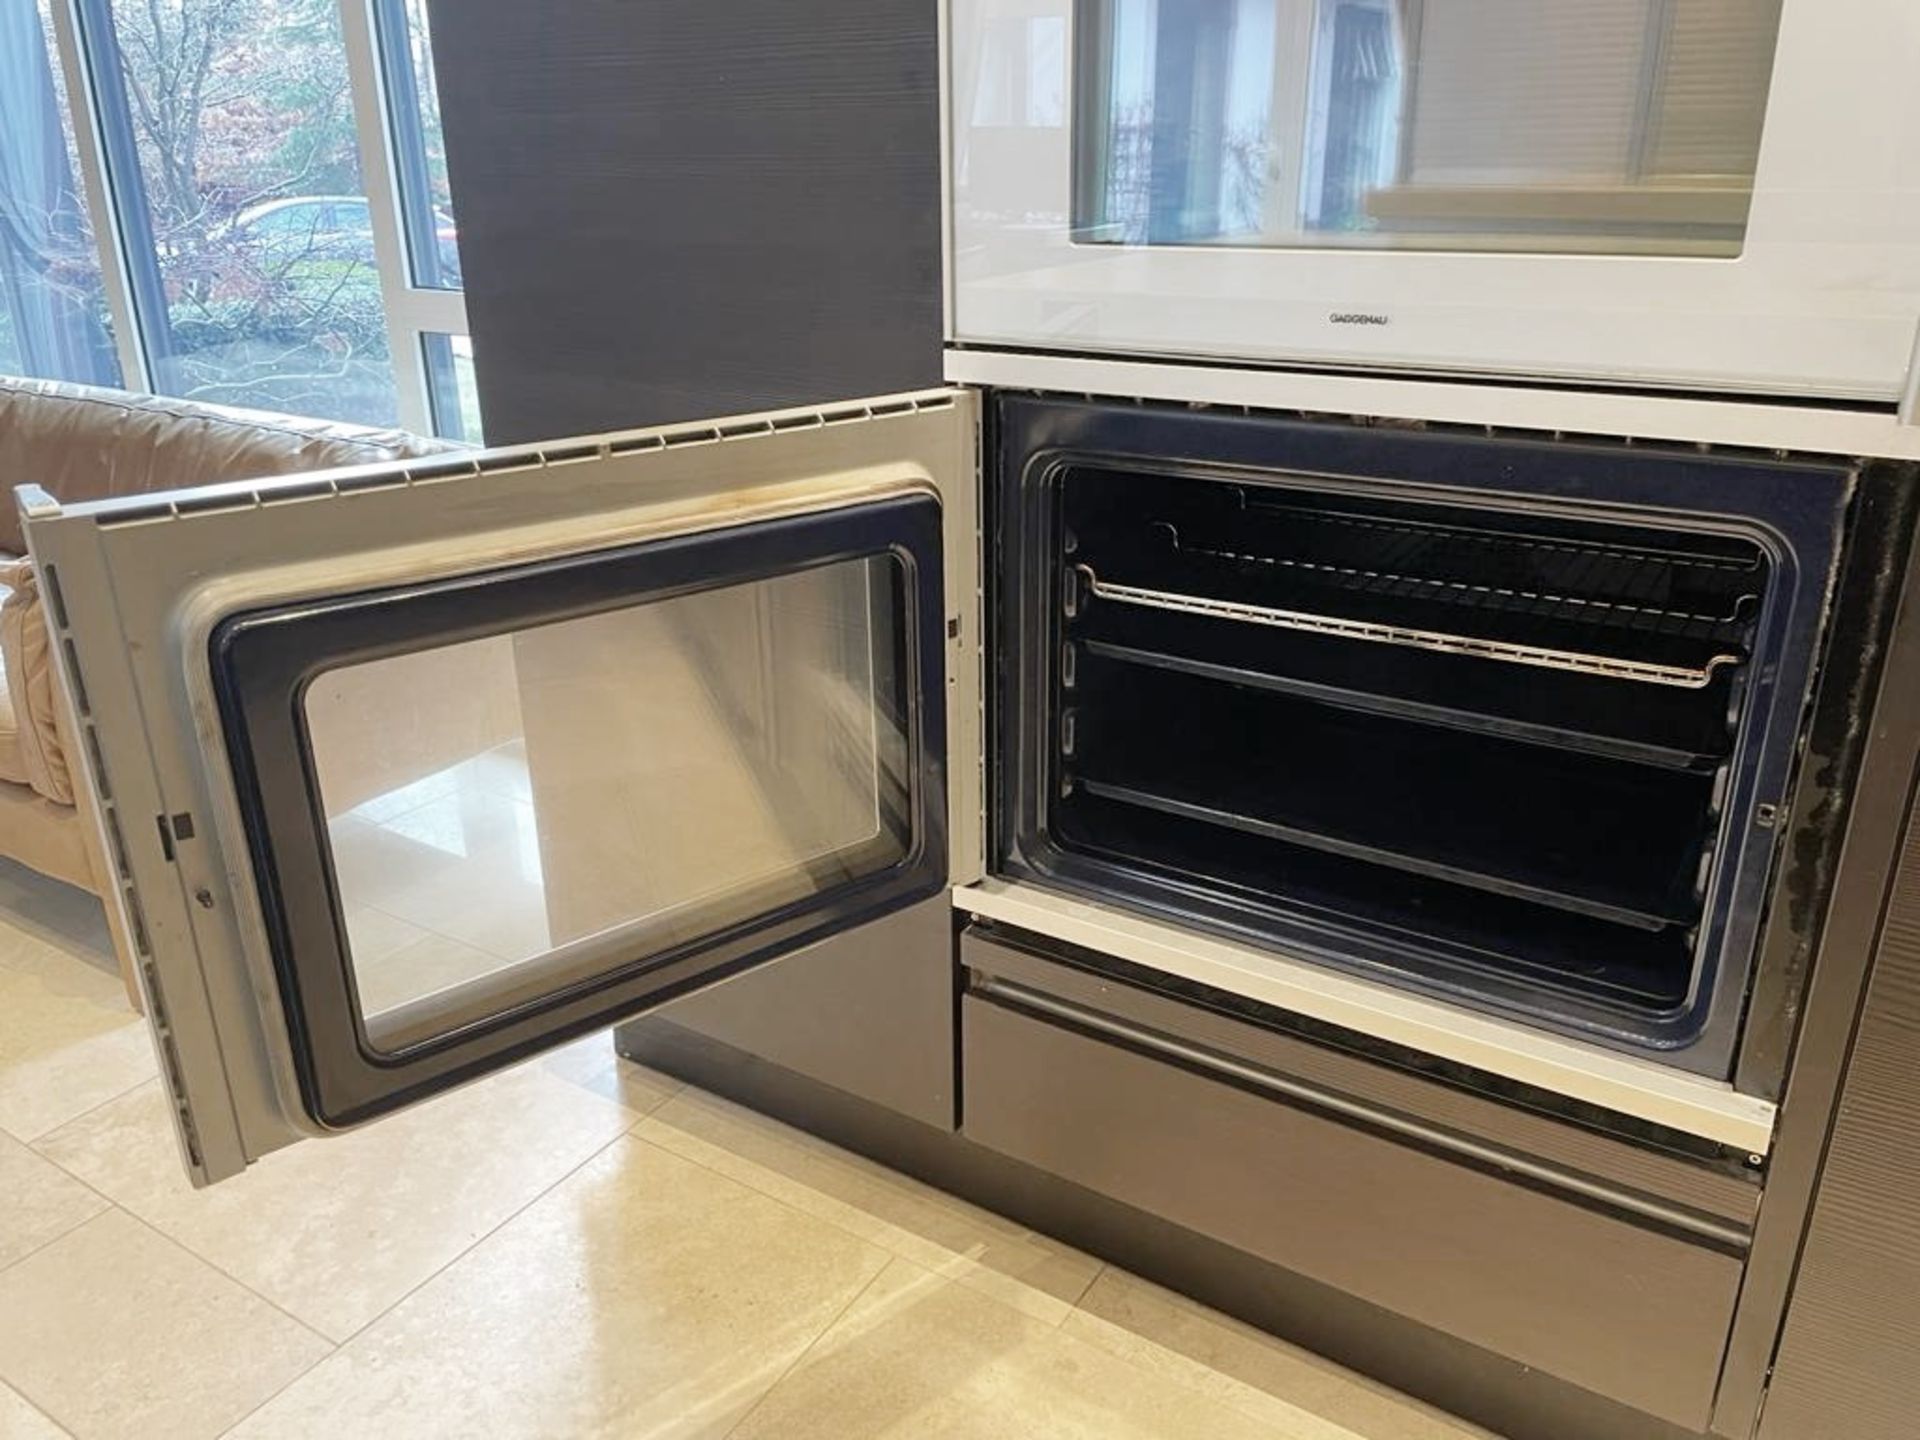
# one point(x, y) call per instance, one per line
point(53, 313)
point(246, 219)
point(452, 390)
point(1628, 126)
point(1023, 67)
point(511, 814)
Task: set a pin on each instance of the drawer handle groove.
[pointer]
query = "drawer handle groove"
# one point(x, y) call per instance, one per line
point(1014, 996)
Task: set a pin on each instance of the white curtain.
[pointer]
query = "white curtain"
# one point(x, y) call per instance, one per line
point(48, 284)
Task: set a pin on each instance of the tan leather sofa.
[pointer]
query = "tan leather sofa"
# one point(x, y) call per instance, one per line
point(83, 444)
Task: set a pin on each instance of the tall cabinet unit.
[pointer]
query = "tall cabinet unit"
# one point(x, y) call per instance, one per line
point(692, 241)
point(690, 209)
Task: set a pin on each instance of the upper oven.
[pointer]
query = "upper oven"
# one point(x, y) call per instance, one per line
point(1702, 194)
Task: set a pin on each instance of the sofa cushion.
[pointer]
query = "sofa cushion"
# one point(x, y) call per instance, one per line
point(12, 767)
point(33, 690)
point(82, 443)
point(46, 837)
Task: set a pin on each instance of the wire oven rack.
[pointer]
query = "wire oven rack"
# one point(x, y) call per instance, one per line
point(1688, 677)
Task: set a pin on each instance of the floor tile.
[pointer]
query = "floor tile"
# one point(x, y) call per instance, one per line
point(20, 1420)
point(645, 1296)
point(374, 866)
point(400, 799)
point(68, 1039)
point(596, 1067)
point(464, 864)
point(581, 1247)
point(39, 1202)
point(418, 970)
point(115, 1331)
point(335, 1231)
point(372, 934)
point(1159, 1333)
point(502, 770)
point(469, 822)
point(986, 1252)
point(918, 1356)
point(487, 901)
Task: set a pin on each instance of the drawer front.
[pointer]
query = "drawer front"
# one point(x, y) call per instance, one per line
point(1720, 1201)
point(1609, 1304)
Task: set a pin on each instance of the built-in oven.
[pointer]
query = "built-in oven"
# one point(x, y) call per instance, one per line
point(1503, 720)
point(1393, 853)
point(1706, 194)
point(1484, 746)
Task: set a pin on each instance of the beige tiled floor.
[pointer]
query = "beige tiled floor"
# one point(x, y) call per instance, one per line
point(577, 1248)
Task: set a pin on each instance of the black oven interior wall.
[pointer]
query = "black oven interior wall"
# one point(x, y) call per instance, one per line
point(1508, 721)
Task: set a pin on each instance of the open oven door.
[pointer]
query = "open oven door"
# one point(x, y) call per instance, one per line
point(410, 771)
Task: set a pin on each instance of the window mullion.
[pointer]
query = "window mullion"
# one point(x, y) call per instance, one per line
point(383, 200)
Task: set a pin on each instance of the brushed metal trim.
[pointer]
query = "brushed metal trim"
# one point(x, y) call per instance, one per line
point(1492, 1157)
point(1843, 1362)
point(1676, 1099)
point(1550, 409)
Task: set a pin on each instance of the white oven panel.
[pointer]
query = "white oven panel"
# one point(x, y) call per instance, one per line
point(1705, 194)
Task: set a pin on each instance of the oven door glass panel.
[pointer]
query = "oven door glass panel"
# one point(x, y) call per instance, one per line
point(765, 726)
point(1615, 126)
point(410, 772)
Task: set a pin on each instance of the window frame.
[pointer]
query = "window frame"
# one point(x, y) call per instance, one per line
point(419, 216)
point(112, 186)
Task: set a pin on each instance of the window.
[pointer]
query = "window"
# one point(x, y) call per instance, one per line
point(53, 308)
point(233, 202)
point(228, 135)
point(450, 387)
point(420, 150)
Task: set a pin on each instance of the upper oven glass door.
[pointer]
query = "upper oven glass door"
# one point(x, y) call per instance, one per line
point(1705, 193)
point(411, 771)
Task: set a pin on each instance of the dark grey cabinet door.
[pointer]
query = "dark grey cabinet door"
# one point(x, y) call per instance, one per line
point(692, 207)
point(1845, 1367)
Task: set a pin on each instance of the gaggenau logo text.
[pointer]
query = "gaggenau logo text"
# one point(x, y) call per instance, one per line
point(1359, 317)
